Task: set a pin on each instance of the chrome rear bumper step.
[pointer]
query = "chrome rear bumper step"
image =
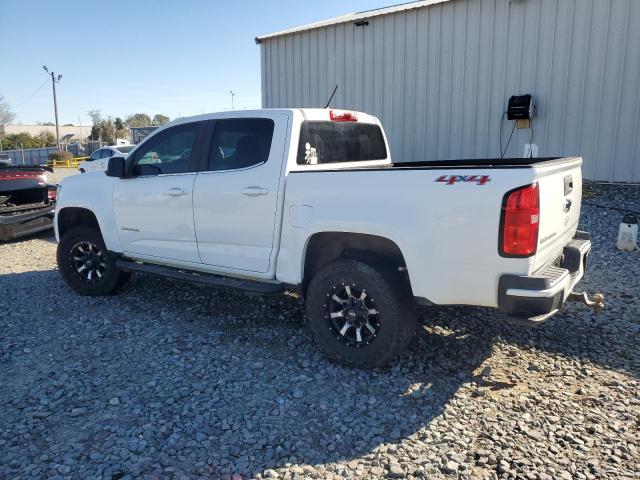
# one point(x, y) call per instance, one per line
point(532, 299)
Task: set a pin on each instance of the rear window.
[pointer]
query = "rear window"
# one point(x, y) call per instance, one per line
point(337, 142)
point(125, 148)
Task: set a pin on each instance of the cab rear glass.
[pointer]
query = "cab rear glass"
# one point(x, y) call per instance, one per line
point(125, 148)
point(338, 142)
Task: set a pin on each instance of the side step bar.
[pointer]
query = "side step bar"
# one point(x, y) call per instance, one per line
point(199, 277)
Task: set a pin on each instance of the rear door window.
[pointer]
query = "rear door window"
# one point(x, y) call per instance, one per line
point(240, 143)
point(337, 142)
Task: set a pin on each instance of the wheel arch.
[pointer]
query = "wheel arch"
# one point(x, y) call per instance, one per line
point(324, 247)
point(69, 217)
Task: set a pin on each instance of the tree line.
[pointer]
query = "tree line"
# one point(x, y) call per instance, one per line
point(15, 141)
point(106, 129)
point(109, 128)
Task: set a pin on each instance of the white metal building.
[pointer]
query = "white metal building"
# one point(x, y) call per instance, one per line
point(439, 74)
point(79, 132)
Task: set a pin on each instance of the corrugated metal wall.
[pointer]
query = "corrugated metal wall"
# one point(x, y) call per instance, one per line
point(439, 78)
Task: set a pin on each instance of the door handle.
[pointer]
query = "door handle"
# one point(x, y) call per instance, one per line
point(254, 191)
point(176, 191)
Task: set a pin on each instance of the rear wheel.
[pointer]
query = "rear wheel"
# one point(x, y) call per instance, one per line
point(86, 265)
point(359, 314)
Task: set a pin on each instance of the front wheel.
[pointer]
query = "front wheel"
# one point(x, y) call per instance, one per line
point(86, 265)
point(359, 314)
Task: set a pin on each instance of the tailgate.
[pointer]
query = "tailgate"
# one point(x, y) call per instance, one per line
point(560, 186)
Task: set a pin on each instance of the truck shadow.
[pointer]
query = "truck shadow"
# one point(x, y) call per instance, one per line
point(229, 383)
point(576, 332)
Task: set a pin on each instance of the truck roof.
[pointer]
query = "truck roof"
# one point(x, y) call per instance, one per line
point(313, 114)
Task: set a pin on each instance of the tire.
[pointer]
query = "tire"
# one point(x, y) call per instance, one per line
point(105, 278)
point(387, 307)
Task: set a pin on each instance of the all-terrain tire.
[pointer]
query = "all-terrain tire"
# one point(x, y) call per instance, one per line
point(107, 280)
point(387, 294)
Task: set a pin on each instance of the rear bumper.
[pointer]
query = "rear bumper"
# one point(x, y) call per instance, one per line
point(18, 225)
point(536, 298)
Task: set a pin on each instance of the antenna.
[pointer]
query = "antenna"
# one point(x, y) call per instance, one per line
point(331, 97)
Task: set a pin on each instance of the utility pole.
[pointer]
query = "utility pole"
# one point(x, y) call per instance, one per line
point(232, 95)
point(55, 80)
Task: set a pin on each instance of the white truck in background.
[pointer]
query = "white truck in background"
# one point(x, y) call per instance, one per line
point(309, 201)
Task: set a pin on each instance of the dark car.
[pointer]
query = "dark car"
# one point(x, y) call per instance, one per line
point(27, 201)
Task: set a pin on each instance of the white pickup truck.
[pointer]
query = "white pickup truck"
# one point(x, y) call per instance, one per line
point(308, 201)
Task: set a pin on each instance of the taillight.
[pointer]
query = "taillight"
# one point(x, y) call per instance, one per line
point(342, 116)
point(52, 193)
point(520, 222)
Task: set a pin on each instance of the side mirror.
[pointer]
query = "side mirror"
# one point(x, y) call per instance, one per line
point(115, 168)
point(146, 170)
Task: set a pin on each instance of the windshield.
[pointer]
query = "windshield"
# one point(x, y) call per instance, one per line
point(336, 142)
point(125, 148)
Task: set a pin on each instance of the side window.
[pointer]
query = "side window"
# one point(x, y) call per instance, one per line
point(168, 152)
point(95, 155)
point(240, 143)
point(106, 153)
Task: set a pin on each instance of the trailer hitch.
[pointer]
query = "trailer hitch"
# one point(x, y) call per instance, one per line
point(597, 303)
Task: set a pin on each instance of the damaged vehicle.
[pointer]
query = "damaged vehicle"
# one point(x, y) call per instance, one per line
point(27, 200)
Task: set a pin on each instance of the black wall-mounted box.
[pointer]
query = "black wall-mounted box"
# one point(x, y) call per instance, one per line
point(520, 107)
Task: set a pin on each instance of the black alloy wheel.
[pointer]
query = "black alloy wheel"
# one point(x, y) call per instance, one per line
point(88, 260)
point(352, 315)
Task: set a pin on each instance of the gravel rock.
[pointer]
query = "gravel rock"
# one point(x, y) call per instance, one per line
point(451, 467)
point(396, 471)
point(171, 380)
point(77, 412)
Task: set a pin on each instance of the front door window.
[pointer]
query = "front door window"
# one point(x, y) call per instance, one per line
point(168, 152)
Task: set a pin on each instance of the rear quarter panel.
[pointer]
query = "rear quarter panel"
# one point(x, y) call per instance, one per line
point(448, 233)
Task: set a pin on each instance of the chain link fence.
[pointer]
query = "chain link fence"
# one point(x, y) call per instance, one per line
point(40, 156)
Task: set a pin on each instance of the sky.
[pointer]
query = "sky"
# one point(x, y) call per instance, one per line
point(177, 58)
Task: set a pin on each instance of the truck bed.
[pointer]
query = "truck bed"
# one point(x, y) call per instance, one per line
point(444, 216)
point(495, 163)
point(481, 162)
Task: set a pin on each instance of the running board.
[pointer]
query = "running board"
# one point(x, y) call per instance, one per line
point(199, 277)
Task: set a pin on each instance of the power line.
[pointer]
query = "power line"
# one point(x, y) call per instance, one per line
point(31, 96)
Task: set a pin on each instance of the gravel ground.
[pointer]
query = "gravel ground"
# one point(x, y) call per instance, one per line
point(168, 380)
point(60, 173)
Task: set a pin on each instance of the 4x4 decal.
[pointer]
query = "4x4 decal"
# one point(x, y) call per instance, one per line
point(453, 179)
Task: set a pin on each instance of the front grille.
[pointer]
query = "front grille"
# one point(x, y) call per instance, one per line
point(22, 209)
